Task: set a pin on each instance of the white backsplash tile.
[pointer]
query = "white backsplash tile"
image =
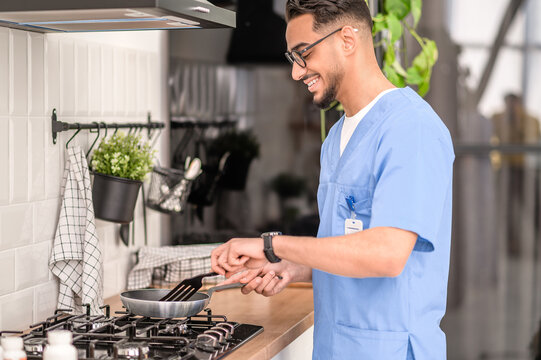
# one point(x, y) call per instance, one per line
point(110, 276)
point(45, 300)
point(142, 84)
point(31, 265)
point(7, 269)
point(46, 219)
point(17, 310)
point(53, 166)
point(18, 79)
point(43, 72)
point(4, 160)
point(36, 65)
point(81, 79)
point(37, 157)
point(119, 81)
point(154, 80)
point(107, 80)
point(18, 154)
point(94, 67)
point(131, 83)
point(52, 74)
point(67, 78)
point(4, 71)
point(16, 226)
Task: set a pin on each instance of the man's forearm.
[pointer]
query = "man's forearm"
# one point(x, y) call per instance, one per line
point(377, 252)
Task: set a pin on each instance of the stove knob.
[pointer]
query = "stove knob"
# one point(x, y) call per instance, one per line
point(206, 342)
point(223, 331)
point(227, 326)
point(218, 334)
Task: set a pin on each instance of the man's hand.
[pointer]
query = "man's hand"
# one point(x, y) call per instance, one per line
point(238, 254)
point(270, 279)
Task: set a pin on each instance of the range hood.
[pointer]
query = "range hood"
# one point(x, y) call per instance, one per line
point(112, 15)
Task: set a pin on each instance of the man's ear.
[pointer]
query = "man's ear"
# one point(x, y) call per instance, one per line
point(350, 39)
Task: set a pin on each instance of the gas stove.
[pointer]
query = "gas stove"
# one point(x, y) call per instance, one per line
point(127, 336)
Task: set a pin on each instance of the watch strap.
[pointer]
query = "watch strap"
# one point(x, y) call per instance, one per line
point(267, 246)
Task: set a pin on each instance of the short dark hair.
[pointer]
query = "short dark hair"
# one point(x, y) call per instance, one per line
point(326, 12)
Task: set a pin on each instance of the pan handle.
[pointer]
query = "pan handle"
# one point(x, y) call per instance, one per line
point(224, 287)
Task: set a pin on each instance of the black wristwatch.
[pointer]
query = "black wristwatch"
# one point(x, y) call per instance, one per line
point(267, 246)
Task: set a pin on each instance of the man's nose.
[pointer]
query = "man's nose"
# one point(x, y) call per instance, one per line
point(297, 72)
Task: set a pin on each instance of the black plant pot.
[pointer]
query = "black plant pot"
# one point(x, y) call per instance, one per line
point(236, 173)
point(114, 197)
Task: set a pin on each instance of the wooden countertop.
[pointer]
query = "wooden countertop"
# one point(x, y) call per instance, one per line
point(284, 317)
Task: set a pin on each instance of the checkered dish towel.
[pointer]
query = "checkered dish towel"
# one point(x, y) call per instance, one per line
point(76, 256)
point(171, 264)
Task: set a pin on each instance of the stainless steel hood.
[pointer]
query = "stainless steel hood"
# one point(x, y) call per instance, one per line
point(112, 15)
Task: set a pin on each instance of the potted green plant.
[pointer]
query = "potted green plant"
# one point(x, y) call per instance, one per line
point(288, 187)
point(119, 165)
point(243, 147)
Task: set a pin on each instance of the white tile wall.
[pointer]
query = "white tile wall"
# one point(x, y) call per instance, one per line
point(4, 71)
point(17, 310)
point(16, 226)
point(36, 146)
point(31, 266)
point(7, 269)
point(4, 159)
point(18, 72)
point(18, 159)
point(86, 81)
point(36, 61)
point(67, 78)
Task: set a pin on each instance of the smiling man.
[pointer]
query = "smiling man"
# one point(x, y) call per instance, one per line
point(380, 261)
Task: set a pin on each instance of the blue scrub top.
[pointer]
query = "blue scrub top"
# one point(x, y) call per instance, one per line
point(398, 168)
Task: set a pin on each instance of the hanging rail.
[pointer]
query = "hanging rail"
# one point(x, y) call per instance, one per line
point(59, 126)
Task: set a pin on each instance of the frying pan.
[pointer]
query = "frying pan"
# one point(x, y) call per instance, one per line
point(145, 302)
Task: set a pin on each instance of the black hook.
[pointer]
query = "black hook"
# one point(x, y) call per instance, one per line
point(96, 139)
point(105, 126)
point(74, 135)
point(116, 129)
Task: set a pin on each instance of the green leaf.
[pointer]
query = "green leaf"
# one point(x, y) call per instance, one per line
point(393, 76)
point(431, 51)
point(424, 87)
point(399, 69)
point(395, 28)
point(380, 23)
point(414, 76)
point(420, 62)
point(416, 9)
point(389, 56)
point(399, 8)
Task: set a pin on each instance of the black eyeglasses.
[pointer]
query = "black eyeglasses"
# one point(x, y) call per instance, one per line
point(295, 56)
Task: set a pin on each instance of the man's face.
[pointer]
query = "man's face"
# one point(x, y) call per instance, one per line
point(323, 72)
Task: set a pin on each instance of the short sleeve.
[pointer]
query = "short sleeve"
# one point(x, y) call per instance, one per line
point(413, 173)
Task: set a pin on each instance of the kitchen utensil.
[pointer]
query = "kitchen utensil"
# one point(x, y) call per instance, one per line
point(125, 234)
point(186, 288)
point(146, 302)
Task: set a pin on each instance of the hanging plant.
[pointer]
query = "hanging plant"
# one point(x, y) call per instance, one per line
point(391, 24)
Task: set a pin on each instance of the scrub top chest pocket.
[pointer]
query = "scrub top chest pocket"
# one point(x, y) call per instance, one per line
point(354, 209)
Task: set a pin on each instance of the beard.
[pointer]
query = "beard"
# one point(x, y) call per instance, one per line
point(330, 92)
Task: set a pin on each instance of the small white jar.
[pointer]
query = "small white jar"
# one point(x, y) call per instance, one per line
point(13, 348)
point(59, 346)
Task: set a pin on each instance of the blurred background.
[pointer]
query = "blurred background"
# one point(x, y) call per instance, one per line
point(228, 87)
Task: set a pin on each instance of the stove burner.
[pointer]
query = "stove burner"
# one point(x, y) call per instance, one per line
point(127, 336)
point(35, 345)
point(132, 350)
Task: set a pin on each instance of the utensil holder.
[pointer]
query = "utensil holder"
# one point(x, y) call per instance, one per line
point(169, 190)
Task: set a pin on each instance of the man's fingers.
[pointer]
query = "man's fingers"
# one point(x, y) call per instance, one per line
point(276, 285)
point(265, 281)
point(249, 287)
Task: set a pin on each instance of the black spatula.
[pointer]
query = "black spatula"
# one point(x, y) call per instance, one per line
point(186, 288)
